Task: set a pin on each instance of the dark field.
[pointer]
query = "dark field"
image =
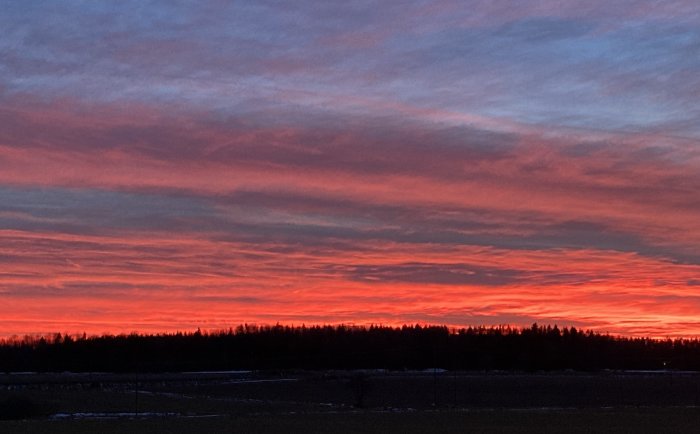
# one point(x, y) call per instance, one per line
point(357, 401)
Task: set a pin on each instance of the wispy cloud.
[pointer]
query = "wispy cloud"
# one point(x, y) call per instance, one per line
point(165, 165)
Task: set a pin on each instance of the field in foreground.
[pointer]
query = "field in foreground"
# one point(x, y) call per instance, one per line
point(480, 421)
point(355, 401)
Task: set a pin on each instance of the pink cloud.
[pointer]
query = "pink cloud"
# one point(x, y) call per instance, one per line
point(530, 183)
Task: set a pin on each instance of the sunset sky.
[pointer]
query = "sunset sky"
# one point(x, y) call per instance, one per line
point(168, 165)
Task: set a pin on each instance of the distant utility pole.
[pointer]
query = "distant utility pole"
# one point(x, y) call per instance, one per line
point(136, 389)
point(136, 395)
point(435, 376)
point(454, 384)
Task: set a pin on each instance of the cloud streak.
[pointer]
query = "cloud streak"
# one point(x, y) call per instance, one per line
point(203, 166)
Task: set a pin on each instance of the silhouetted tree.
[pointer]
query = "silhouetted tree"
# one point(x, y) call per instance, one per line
point(350, 347)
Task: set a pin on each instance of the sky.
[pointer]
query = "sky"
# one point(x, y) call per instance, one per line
point(169, 165)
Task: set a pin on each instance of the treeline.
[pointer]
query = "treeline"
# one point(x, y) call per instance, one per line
point(350, 347)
